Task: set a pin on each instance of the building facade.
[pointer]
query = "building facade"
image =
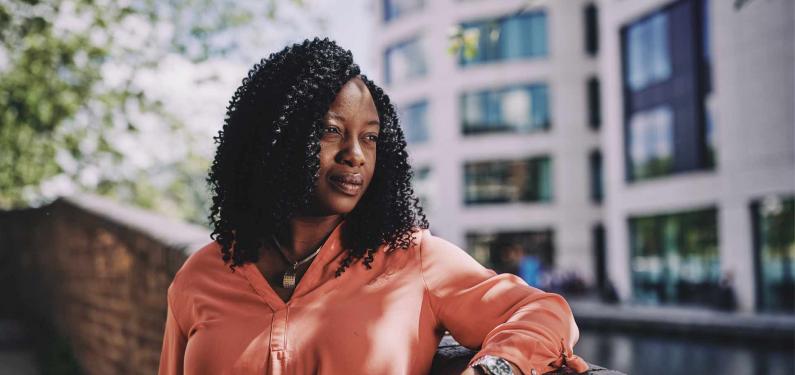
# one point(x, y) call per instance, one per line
point(501, 139)
point(648, 145)
point(699, 149)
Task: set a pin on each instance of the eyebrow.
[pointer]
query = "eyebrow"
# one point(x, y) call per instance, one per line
point(341, 118)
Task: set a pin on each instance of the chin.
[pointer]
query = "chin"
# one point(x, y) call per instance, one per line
point(335, 206)
point(341, 208)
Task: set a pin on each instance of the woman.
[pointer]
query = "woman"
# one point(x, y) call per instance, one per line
point(322, 261)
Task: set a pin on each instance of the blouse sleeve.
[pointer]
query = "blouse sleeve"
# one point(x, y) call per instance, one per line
point(174, 342)
point(498, 314)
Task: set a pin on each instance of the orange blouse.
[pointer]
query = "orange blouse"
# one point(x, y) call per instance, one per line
point(386, 320)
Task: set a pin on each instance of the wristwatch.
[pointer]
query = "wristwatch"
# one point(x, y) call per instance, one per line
point(493, 365)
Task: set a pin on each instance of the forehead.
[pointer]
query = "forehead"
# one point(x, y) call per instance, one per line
point(353, 98)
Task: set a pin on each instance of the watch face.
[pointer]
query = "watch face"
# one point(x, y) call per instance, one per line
point(494, 365)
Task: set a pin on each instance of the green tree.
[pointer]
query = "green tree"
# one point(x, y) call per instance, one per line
point(68, 90)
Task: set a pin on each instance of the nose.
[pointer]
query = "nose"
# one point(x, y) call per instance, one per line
point(351, 153)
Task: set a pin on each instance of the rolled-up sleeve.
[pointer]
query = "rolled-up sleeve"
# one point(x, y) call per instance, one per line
point(174, 342)
point(498, 314)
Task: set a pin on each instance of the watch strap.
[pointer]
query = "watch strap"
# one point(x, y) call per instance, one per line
point(493, 365)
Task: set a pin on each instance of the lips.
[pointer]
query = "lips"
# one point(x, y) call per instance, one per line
point(348, 183)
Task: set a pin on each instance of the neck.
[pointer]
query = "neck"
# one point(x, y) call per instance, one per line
point(307, 233)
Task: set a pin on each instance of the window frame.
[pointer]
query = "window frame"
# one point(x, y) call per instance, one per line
point(495, 48)
point(690, 148)
point(541, 164)
point(493, 96)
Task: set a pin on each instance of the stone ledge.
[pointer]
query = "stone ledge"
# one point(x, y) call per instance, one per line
point(690, 321)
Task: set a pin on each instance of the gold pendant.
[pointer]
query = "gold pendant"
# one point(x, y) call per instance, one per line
point(288, 280)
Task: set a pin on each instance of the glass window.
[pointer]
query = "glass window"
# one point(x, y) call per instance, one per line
point(514, 37)
point(595, 164)
point(511, 42)
point(674, 257)
point(603, 284)
point(404, 61)
point(651, 142)
point(657, 50)
point(706, 70)
point(423, 186)
point(398, 8)
point(528, 254)
point(648, 50)
point(710, 140)
point(774, 227)
point(414, 119)
point(706, 44)
point(521, 109)
point(666, 65)
point(504, 181)
point(594, 103)
point(591, 21)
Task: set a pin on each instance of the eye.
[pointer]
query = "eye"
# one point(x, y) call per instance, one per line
point(372, 137)
point(331, 130)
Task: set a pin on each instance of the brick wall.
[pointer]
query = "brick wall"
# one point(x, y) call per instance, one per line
point(99, 272)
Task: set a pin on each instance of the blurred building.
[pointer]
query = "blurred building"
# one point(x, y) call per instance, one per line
point(503, 141)
point(645, 144)
point(700, 149)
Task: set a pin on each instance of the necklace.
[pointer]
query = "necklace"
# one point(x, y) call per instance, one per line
point(288, 279)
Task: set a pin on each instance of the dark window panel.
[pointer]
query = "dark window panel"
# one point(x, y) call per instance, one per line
point(594, 103)
point(591, 22)
point(595, 163)
point(773, 221)
point(600, 257)
point(663, 72)
point(674, 258)
point(507, 181)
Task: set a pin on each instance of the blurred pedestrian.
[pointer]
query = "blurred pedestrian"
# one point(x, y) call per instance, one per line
point(725, 298)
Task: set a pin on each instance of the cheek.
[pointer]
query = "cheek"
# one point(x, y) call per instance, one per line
point(325, 160)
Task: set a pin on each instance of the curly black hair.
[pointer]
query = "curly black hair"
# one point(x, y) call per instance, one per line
point(266, 163)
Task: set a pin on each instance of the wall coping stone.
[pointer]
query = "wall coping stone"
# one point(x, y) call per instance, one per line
point(169, 231)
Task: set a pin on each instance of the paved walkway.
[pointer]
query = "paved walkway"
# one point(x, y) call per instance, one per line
point(16, 354)
point(594, 314)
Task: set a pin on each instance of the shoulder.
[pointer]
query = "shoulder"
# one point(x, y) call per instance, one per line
point(445, 259)
point(417, 235)
point(431, 249)
point(423, 240)
point(202, 263)
point(431, 245)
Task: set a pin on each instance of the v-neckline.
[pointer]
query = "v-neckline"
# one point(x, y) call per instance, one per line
point(331, 246)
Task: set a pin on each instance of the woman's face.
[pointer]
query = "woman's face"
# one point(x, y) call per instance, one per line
point(347, 150)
